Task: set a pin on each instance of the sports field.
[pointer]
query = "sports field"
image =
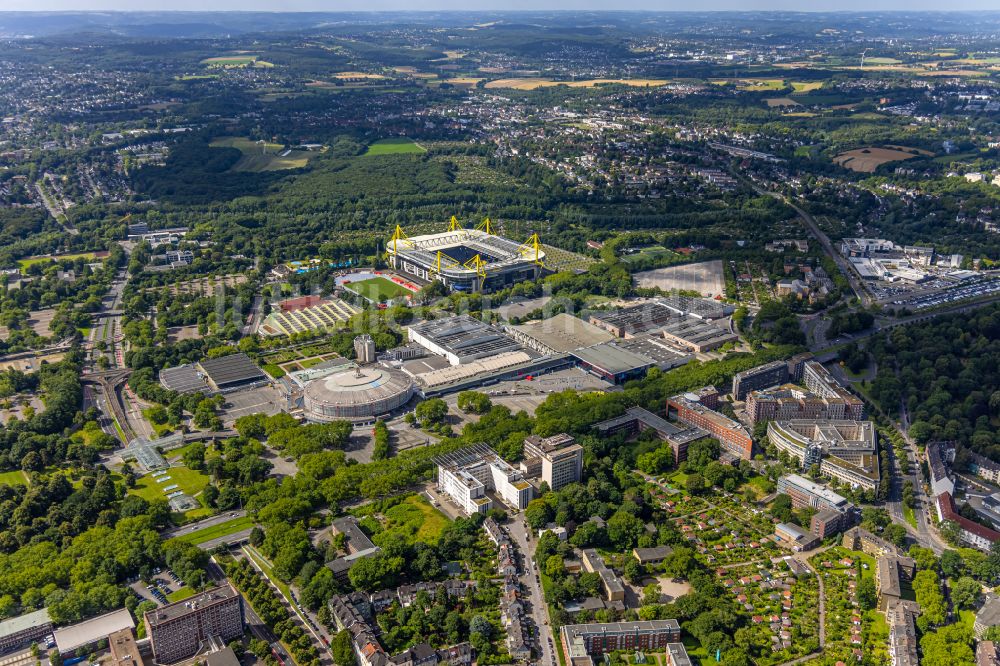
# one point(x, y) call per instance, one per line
point(378, 288)
point(25, 263)
point(262, 156)
point(395, 146)
point(216, 531)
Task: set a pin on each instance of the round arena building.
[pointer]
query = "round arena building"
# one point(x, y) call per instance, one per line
point(356, 395)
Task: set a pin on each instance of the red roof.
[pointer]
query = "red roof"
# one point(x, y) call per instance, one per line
point(946, 506)
point(299, 303)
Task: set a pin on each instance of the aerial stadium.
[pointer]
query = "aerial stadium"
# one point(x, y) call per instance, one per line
point(467, 260)
point(359, 394)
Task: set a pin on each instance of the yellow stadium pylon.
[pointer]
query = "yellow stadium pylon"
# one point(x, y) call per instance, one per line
point(532, 249)
point(454, 224)
point(399, 236)
point(477, 264)
point(486, 226)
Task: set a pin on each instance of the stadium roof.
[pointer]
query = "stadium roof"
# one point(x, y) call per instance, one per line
point(231, 370)
point(27, 621)
point(90, 631)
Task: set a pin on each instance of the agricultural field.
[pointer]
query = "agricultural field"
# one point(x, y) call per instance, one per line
point(378, 289)
point(216, 531)
point(535, 84)
point(463, 81)
point(261, 156)
point(473, 170)
point(236, 61)
point(802, 87)
point(781, 102)
point(395, 146)
point(867, 160)
point(751, 85)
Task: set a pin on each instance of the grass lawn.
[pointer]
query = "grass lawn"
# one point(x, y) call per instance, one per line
point(216, 531)
point(24, 263)
point(417, 516)
point(378, 288)
point(911, 518)
point(806, 86)
point(13, 478)
point(187, 480)
point(275, 371)
point(181, 594)
point(395, 146)
point(968, 618)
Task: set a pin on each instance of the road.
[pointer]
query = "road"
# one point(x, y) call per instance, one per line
point(202, 524)
point(535, 605)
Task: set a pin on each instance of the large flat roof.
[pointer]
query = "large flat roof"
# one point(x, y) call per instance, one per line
point(27, 621)
point(232, 369)
point(89, 631)
point(465, 337)
point(184, 379)
point(612, 358)
point(820, 491)
point(563, 333)
point(181, 608)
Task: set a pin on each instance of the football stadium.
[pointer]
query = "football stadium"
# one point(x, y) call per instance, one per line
point(466, 260)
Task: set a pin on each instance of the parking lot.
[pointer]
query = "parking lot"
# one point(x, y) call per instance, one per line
point(973, 289)
point(265, 399)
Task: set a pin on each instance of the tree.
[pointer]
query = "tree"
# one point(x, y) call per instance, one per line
point(431, 412)
point(950, 645)
point(656, 461)
point(473, 402)
point(624, 530)
point(695, 483)
point(895, 533)
point(342, 649)
point(965, 592)
point(928, 594)
point(867, 595)
point(538, 513)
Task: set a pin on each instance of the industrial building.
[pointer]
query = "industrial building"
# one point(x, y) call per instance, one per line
point(462, 339)
point(634, 319)
point(465, 476)
point(358, 394)
point(223, 374)
point(558, 334)
point(697, 410)
point(700, 308)
point(558, 460)
point(83, 635)
point(696, 335)
point(179, 630)
point(582, 642)
point(844, 450)
point(637, 419)
point(466, 260)
point(612, 362)
point(23, 630)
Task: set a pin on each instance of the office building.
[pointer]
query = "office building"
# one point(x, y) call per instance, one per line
point(691, 408)
point(834, 513)
point(789, 401)
point(582, 642)
point(844, 450)
point(761, 377)
point(179, 630)
point(636, 420)
point(794, 537)
point(364, 349)
point(559, 459)
point(465, 476)
point(23, 630)
point(819, 380)
point(610, 583)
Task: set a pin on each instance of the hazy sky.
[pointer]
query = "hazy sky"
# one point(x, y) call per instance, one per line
point(377, 5)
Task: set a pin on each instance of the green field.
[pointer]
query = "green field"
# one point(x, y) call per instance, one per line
point(261, 155)
point(181, 594)
point(416, 516)
point(187, 480)
point(378, 288)
point(216, 531)
point(24, 263)
point(395, 146)
point(236, 61)
point(14, 478)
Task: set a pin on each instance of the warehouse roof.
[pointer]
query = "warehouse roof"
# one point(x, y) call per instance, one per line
point(27, 621)
point(184, 379)
point(612, 358)
point(562, 333)
point(90, 631)
point(233, 369)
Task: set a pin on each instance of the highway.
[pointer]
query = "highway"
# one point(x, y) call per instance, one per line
point(202, 524)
